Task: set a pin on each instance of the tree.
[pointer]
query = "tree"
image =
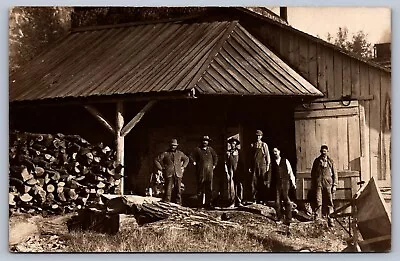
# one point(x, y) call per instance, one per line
point(357, 45)
point(32, 29)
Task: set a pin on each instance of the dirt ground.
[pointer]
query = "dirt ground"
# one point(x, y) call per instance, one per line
point(36, 233)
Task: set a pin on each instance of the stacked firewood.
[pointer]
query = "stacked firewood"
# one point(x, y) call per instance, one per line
point(58, 173)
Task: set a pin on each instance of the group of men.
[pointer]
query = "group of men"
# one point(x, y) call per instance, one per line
point(263, 172)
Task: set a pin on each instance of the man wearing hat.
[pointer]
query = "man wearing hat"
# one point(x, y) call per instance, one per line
point(235, 180)
point(324, 181)
point(205, 159)
point(260, 163)
point(172, 163)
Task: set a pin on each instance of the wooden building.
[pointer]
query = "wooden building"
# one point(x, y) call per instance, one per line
point(223, 72)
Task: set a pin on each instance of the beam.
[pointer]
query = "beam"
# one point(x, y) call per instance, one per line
point(135, 120)
point(100, 118)
point(120, 143)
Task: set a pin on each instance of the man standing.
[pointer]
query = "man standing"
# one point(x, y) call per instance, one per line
point(324, 181)
point(205, 159)
point(284, 178)
point(259, 166)
point(235, 181)
point(172, 163)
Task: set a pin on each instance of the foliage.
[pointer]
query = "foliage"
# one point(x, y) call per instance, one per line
point(357, 45)
point(32, 29)
point(92, 16)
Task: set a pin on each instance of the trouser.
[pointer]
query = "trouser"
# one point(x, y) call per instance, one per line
point(205, 188)
point(257, 184)
point(282, 194)
point(173, 185)
point(320, 191)
point(238, 192)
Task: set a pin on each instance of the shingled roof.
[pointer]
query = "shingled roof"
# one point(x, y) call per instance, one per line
point(212, 58)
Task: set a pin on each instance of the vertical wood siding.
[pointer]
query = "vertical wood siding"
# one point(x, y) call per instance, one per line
point(337, 75)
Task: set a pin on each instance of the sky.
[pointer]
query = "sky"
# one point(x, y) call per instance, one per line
point(376, 22)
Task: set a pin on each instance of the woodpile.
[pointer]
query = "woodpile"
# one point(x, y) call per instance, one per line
point(58, 173)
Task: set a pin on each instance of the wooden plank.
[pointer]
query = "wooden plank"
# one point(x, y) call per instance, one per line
point(363, 143)
point(312, 64)
point(355, 78)
point(321, 67)
point(330, 72)
point(310, 143)
point(303, 57)
point(284, 45)
point(294, 52)
point(299, 135)
point(324, 130)
point(120, 143)
point(343, 160)
point(353, 132)
point(93, 111)
point(326, 113)
point(375, 122)
point(135, 120)
point(346, 76)
point(385, 154)
point(364, 90)
point(300, 194)
point(325, 106)
point(338, 76)
point(332, 136)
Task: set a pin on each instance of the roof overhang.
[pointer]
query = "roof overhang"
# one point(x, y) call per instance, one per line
point(164, 60)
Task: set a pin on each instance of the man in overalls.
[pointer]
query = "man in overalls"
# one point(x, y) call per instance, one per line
point(324, 181)
point(259, 168)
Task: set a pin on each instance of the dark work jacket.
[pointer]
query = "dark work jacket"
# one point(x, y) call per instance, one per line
point(323, 176)
point(171, 163)
point(205, 160)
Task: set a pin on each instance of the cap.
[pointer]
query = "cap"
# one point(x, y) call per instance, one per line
point(324, 147)
point(258, 132)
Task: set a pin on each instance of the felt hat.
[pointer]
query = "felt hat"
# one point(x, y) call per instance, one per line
point(234, 139)
point(174, 142)
point(206, 138)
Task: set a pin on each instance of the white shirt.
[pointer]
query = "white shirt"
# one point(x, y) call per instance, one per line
point(290, 171)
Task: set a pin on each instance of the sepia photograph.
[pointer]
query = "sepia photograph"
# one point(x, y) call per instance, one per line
point(199, 129)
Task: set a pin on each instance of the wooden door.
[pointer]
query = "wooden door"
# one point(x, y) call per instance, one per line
point(337, 125)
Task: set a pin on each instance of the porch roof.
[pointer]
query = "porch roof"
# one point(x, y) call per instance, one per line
point(211, 58)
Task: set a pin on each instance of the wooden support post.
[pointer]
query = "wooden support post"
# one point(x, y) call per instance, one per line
point(120, 143)
point(100, 118)
point(135, 120)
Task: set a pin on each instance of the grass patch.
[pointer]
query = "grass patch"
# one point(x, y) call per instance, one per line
point(142, 239)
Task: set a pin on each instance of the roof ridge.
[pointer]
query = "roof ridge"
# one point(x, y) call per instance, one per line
point(213, 53)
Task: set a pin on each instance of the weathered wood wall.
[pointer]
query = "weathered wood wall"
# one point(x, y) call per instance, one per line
point(337, 74)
